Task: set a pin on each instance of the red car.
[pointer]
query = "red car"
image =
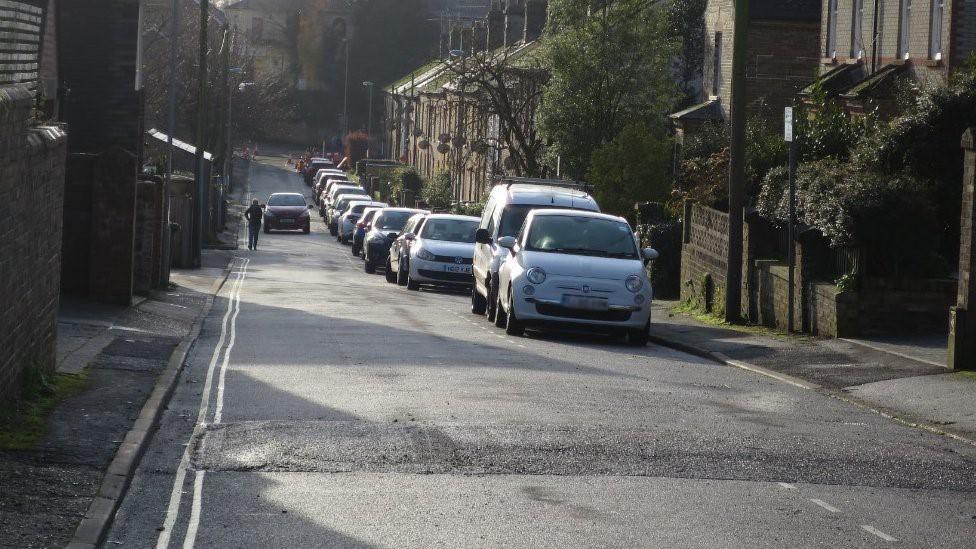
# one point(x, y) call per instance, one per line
point(287, 212)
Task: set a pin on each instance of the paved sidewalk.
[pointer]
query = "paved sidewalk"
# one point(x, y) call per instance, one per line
point(884, 377)
point(121, 350)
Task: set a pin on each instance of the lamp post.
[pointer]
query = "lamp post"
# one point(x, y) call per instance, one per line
point(229, 144)
point(459, 168)
point(345, 96)
point(167, 235)
point(369, 123)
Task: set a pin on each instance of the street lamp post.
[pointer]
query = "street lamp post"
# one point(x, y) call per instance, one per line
point(229, 145)
point(345, 96)
point(167, 235)
point(369, 123)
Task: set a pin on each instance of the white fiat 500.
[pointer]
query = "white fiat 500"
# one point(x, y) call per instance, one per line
point(573, 267)
point(443, 251)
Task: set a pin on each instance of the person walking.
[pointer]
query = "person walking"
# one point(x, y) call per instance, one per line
point(254, 215)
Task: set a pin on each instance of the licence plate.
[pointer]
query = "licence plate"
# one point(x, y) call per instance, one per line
point(585, 303)
point(462, 269)
point(286, 221)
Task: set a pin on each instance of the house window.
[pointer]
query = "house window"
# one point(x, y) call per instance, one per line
point(831, 29)
point(717, 65)
point(935, 30)
point(904, 28)
point(857, 26)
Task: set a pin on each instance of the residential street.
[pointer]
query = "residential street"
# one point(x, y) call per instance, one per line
point(336, 409)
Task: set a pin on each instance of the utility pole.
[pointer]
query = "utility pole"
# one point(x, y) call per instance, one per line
point(345, 98)
point(225, 66)
point(737, 164)
point(369, 124)
point(791, 230)
point(167, 235)
point(202, 184)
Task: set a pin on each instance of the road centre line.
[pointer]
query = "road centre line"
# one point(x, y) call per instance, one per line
point(173, 508)
point(872, 530)
point(825, 505)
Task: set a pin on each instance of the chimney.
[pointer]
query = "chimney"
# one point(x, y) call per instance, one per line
point(496, 25)
point(514, 21)
point(535, 19)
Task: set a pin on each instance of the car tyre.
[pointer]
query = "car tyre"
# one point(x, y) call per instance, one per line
point(491, 305)
point(332, 230)
point(267, 229)
point(390, 277)
point(369, 267)
point(307, 229)
point(639, 337)
point(501, 319)
point(513, 327)
point(478, 303)
point(412, 284)
point(401, 274)
point(355, 250)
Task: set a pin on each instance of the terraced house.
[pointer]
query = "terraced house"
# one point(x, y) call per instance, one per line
point(867, 45)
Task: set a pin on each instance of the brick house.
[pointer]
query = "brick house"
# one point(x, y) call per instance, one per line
point(782, 56)
point(866, 46)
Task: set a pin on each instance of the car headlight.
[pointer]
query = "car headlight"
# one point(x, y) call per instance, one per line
point(303, 214)
point(536, 275)
point(425, 255)
point(634, 283)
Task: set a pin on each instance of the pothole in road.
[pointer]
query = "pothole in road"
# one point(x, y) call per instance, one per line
point(360, 446)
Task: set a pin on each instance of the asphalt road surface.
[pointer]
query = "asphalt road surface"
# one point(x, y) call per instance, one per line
point(323, 407)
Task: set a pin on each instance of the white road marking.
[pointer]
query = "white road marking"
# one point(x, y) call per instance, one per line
point(191, 529)
point(825, 505)
point(872, 530)
point(176, 495)
point(787, 485)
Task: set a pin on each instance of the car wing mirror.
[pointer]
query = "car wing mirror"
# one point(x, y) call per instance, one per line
point(393, 236)
point(508, 242)
point(650, 254)
point(482, 236)
point(409, 237)
point(311, 207)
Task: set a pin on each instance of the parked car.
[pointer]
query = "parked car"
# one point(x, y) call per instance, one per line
point(340, 207)
point(505, 211)
point(363, 227)
point(335, 191)
point(287, 212)
point(346, 225)
point(323, 179)
point(386, 227)
point(401, 247)
point(313, 167)
point(440, 254)
point(575, 268)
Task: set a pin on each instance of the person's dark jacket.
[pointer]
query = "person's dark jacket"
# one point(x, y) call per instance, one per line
point(254, 214)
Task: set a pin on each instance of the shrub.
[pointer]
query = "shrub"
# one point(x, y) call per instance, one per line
point(356, 144)
point(438, 192)
point(403, 178)
point(632, 168)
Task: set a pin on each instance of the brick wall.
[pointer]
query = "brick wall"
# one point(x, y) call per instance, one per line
point(32, 162)
point(703, 255)
point(103, 112)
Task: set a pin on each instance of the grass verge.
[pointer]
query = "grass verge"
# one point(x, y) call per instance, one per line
point(24, 422)
point(689, 309)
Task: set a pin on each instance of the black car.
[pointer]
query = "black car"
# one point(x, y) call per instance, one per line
point(386, 228)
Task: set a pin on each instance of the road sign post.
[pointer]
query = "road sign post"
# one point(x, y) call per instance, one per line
point(791, 227)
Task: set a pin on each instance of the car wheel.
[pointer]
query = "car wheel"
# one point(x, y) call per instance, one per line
point(332, 230)
point(267, 229)
point(369, 267)
point(307, 229)
point(513, 327)
point(501, 319)
point(401, 274)
point(478, 303)
point(491, 305)
point(639, 337)
point(412, 284)
point(390, 277)
point(355, 250)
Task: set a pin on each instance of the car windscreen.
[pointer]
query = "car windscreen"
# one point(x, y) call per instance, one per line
point(358, 209)
point(513, 217)
point(336, 194)
point(450, 230)
point(369, 216)
point(393, 221)
point(341, 205)
point(286, 200)
point(580, 235)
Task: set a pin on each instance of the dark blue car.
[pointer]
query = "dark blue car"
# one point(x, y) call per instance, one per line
point(386, 226)
point(362, 227)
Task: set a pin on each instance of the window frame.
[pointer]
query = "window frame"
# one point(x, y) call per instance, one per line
point(857, 29)
point(904, 29)
point(830, 47)
point(936, 22)
point(717, 64)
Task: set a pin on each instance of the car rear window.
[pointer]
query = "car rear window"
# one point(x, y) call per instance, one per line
point(286, 200)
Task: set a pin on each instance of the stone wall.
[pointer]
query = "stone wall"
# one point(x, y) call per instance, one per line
point(32, 163)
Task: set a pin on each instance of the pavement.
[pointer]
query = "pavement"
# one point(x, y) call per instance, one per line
point(898, 377)
point(48, 490)
point(323, 407)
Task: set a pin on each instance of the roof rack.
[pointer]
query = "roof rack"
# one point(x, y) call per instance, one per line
point(576, 185)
